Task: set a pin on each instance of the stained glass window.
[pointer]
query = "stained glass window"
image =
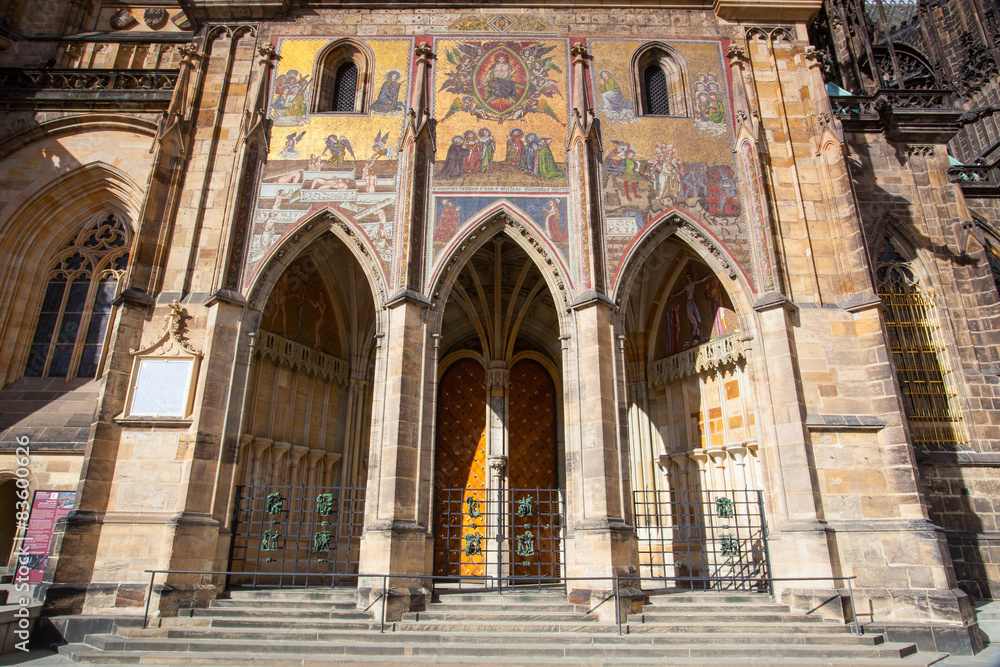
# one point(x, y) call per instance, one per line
point(76, 307)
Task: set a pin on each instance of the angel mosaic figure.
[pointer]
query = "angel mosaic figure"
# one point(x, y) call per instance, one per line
point(337, 148)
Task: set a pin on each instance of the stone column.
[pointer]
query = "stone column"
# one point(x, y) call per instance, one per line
point(330, 459)
point(395, 541)
point(739, 453)
point(314, 456)
point(278, 450)
point(604, 544)
point(260, 446)
point(295, 458)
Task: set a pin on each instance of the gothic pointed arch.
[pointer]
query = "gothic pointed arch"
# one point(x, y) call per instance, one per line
point(304, 234)
point(918, 349)
point(699, 240)
point(474, 235)
point(683, 323)
point(40, 232)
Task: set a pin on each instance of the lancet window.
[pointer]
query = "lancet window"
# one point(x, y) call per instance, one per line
point(76, 307)
point(343, 75)
point(661, 79)
point(918, 353)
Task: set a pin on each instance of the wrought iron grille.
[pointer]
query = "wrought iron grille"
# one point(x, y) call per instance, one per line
point(345, 87)
point(657, 96)
point(702, 539)
point(308, 536)
point(501, 534)
point(918, 354)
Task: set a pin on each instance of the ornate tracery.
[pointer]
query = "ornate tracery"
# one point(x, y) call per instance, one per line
point(76, 308)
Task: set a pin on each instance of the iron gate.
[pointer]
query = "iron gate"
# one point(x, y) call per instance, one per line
point(296, 535)
point(702, 539)
point(506, 536)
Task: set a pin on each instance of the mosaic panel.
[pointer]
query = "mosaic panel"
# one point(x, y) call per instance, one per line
point(502, 107)
point(547, 212)
point(299, 308)
point(347, 162)
point(697, 310)
point(654, 165)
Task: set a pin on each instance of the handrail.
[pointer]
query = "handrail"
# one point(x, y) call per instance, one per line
point(617, 579)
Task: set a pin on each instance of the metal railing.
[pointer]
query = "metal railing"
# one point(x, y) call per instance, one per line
point(518, 531)
point(308, 533)
point(717, 537)
point(616, 581)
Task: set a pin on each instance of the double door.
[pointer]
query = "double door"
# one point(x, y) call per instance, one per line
point(499, 511)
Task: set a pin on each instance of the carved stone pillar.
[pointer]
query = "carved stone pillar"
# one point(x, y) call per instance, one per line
point(717, 477)
point(278, 450)
point(396, 538)
point(604, 545)
point(260, 447)
point(738, 451)
point(295, 458)
point(314, 456)
point(497, 381)
point(330, 460)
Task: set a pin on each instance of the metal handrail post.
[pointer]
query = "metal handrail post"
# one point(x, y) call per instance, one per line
point(618, 610)
point(149, 594)
point(854, 613)
point(381, 627)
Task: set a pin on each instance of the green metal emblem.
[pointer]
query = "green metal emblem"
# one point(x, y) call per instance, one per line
point(273, 506)
point(472, 544)
point(324, 504)
point(321, 541)
point(524, 507)
point(473, 504)
point(724, 508)
point(269, 541)
point(526, 544)
point(730, 545)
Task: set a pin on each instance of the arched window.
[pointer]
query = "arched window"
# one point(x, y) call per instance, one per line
point(661, 81)
point(76, 308)
point(918, 354)
point(343, 79)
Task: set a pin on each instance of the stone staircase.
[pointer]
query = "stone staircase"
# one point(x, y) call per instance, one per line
point(282, 628)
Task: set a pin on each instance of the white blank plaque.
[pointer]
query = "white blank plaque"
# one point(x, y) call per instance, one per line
point(161, 387)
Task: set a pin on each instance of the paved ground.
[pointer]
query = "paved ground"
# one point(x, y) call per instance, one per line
point(43, 658)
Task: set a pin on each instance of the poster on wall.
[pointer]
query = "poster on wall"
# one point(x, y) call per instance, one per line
point(47, 507)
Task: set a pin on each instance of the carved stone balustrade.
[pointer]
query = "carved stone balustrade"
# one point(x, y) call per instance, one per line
point(87, 88)
point(925, 116)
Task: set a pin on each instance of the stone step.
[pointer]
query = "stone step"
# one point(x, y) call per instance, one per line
point(523, 614)
point(480, 607)
point(344, 594)
point(348, 605)
point(220, 612)
point(483, 639)
point(690, 608)
point(278, 624)
point(508, 649)
point(508, 596)
point(709, 618)
point(83, 654)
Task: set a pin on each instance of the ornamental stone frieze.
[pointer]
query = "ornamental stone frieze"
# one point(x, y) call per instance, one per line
point(296, 356)
point(725, 351)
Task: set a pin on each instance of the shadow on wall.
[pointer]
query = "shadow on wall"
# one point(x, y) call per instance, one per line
point(941, 443)
point(49, 411)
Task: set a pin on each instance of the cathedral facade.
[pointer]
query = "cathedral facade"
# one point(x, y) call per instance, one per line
point(388, 296)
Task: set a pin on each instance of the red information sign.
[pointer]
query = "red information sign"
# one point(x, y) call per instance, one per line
point(47, 507)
